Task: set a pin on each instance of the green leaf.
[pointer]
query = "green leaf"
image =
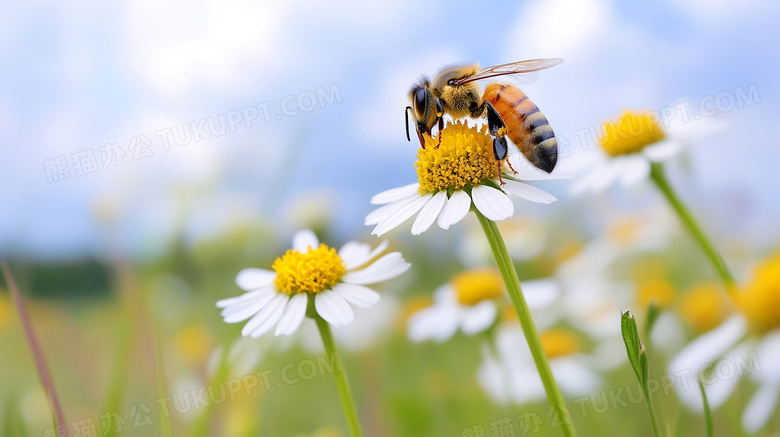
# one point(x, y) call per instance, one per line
point(643, 364)
point(633, 345)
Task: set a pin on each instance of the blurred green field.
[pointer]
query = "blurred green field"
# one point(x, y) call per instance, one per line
point(101, 323)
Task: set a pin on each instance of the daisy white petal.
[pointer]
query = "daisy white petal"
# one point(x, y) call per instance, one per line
point(353, 252)
point(540, 293)
point(768, 350)
point(663, 150)
point(528, 192)
point(358, 295)
point(386, 211)
point(585, 183)
point(356, 259)
point(395, 194)
point(401, 215)
point(242, 310)
point(478, 318)
point(492, 203)
point(389, 266)
point(433, 323)
point(305, 240)
point(574, 377)
point(293, 315)
point(719, 387)
point(760, 408)
point(489, 377)
point(608, 175)
point(454, 210)
point(246, 297)
point(702, 353)
point(266, 317)
point(634, 169)
point(709, 346)
point(429, 213)
point(333, 308)
point(252, 279)
point(445, 295)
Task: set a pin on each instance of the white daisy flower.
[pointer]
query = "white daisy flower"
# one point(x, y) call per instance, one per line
point(509, 374)
point(632, 143)
point(747, 343)
point(460, 172)
point(469, 303)
point(310, 271)
point(625, 235)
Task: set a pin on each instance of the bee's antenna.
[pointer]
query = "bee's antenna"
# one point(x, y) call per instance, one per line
point(406, 116)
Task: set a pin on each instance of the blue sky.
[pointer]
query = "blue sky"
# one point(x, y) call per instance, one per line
point(75, 76)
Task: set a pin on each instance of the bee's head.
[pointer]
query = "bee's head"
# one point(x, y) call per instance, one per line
point(423, 105)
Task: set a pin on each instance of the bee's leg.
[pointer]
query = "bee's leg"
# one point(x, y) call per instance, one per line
point(406, 117)
point(478, 110)
point(500, 150)
point(495, 122)
point(510, 166)
point(422, 141)
point(440, 116)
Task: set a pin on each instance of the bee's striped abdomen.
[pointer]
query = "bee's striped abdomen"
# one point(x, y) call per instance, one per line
point(527, 127)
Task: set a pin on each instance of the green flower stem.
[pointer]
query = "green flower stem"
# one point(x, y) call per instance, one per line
point(509, 274)
point(340, 375)
point(658, 176)
point(651, 412)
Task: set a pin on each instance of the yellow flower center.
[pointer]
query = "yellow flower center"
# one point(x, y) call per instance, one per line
point(760, 299)
point(464, 157)
point(193, 343)
point(311, 272)
point(657, 291)
point(625, 231)
point(705, 306)
point(630, 134)
point(474, 286)
point(559, 343)
point(508, 315)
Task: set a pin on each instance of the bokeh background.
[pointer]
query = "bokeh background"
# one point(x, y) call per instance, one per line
point(128, 256)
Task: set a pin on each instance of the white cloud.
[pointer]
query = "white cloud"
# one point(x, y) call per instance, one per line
point(558, 28)
point(178, 47)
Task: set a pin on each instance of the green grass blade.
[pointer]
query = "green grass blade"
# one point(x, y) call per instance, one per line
point(165, 424)
point(707, 412)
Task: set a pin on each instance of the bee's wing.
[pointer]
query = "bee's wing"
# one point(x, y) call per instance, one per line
point(511, 68)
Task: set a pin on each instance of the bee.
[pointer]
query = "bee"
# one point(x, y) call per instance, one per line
point(510, 113)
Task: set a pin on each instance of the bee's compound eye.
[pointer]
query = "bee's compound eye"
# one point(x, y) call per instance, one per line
point(452, 82)
point(421, 100)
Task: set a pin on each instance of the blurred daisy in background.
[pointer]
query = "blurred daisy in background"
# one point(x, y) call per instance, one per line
point(624, 235)
point(467, 302)
point(630, 143)
point(746, 343)
point(242, 358)
point(508, 373)
point(471, 302)
point(459, 172)
point(333, 281)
